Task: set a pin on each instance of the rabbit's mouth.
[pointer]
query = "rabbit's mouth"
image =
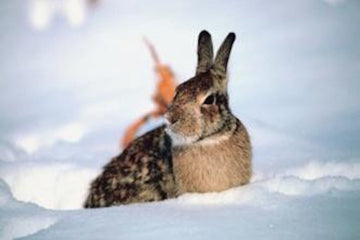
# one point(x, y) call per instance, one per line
point(179, 139)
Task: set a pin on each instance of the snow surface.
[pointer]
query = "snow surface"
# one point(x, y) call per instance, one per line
point(72, 78)
point(320, 203)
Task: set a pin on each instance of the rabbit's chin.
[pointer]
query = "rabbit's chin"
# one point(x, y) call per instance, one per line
point(179, 139)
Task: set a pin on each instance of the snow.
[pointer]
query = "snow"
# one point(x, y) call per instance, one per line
point(272, 206)
point(72, 78)
point(18, 219)
point(51, 185)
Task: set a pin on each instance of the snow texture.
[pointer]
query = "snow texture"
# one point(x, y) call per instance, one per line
point(73, 76)
point(323, 204)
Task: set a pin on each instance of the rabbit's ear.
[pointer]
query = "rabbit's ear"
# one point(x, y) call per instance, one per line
point(205, 52)
point(223, 54)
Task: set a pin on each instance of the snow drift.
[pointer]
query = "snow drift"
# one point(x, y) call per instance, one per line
point(64, 186)
point(276, 205)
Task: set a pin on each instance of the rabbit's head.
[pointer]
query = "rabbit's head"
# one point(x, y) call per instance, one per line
point(200, 106)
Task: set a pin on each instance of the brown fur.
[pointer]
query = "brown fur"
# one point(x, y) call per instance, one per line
point(222, 163)
point(211, 147)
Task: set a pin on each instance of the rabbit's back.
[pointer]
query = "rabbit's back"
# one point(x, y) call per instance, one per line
point(141, 173)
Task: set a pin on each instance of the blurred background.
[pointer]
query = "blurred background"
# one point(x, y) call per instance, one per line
point(75, 73)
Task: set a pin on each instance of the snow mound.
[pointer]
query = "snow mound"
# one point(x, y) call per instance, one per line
point(315, 169)
point(314, 178)
point(275, 205)
point(64, 186)
point(23, 226)
point(5, 194)
point(297, 186)
point(50, 185)
point(19, 219)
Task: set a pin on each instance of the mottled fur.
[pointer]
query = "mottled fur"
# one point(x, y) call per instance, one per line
point(141, 173)
point(203, 148)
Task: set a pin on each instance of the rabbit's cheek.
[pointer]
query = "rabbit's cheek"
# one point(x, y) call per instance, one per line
point(210, 113)
point(180, 127)
point(190, 126)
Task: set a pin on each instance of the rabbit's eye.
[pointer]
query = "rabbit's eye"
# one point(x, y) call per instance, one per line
point(210, 100)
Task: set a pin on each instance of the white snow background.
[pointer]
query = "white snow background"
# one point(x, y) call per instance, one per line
point(72, 78)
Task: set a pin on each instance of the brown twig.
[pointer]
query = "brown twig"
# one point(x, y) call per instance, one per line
point(165, 90)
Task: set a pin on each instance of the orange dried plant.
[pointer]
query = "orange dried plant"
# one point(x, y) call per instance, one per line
point(164, 93)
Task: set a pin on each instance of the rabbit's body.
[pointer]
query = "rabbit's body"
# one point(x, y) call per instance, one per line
point(203, 148)
point(136, 175)
point(214, 164)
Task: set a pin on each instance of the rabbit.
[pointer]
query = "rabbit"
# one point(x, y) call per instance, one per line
point(211, 148)
point(202, 148)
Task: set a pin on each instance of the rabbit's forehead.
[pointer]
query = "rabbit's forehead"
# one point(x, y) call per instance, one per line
point(195, 86)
